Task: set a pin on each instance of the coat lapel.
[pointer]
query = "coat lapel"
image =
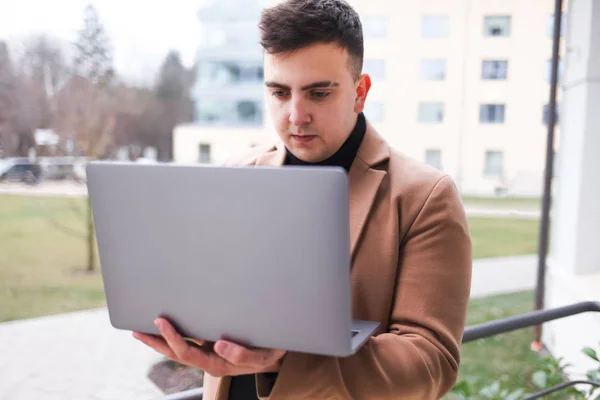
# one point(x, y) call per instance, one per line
point(275, 157)
point(364, 181)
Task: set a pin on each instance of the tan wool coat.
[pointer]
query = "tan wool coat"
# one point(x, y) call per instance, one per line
point(411, 271)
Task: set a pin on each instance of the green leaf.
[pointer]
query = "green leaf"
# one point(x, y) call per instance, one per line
point(516, 395)
point(463, 387)
point(593, 375)
point(591, 353)
point(540, 379)
point(490, 391)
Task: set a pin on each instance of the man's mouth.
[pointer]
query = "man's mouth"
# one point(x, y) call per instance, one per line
point(303, 138)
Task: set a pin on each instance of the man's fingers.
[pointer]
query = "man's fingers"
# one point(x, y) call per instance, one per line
point(227, 359)
point(243, 357)
point(198, 342)
point(186, 353)
point(156, 343)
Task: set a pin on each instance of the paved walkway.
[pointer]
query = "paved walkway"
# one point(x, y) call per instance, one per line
point(71, 189)
point(48, 188)
point(503, 275)
point(76, 356)
point(80, 356)
point(497, 212)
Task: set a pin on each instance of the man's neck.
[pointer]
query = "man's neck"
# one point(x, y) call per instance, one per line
point(345, 155)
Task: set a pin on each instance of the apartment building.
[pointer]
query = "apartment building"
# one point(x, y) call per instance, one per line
point(460, 84)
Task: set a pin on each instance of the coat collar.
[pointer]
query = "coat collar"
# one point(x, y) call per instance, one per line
point(363, 179)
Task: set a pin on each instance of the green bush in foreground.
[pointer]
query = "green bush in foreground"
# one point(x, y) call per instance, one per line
point(551, 373)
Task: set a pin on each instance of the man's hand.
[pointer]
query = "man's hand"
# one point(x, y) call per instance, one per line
point(228, 359)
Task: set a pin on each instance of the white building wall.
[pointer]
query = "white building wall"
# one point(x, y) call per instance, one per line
point(574, 259)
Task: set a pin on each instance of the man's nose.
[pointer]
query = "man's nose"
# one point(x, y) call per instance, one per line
point(299, 115)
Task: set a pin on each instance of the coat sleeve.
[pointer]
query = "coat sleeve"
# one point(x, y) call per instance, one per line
point(418, 357)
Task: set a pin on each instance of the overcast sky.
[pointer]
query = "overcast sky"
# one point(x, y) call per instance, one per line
point(141, 31)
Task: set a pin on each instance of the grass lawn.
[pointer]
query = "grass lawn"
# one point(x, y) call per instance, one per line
point(42, 267)
point(499, 237)
point(518, 203)
point(505, 357)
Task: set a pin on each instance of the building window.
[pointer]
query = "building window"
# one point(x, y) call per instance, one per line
point(204, 154)
point(563, 23)
point(223, 73)
point(250, 72)
point(247, 111)
point(549, 70)
point(435, 26)
point(375, 68)
point(494, 70)
point(374, 111)
point(546, 114)
point(433, 157)
point(491, 113)
point(375, 27)
point(433, 70)
point(496, 25)
point(431, 113)
point(229, 112)
point(494, 164)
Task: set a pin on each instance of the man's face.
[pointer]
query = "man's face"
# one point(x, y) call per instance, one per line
point(313, 99)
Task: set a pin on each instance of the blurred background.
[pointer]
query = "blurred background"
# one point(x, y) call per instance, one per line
point(463, 85)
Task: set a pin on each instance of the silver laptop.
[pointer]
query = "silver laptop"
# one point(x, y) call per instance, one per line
point(256, 255)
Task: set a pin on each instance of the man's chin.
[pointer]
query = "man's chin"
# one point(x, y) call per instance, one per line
point(307, 155)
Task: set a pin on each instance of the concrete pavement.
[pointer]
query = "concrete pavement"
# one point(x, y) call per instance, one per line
point(72, 189)
point(47, 188)
point(75, 356)
point(497, 212)
point(503, 275)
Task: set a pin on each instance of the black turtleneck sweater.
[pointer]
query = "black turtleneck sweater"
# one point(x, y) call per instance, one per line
point(243, 387)
point(344, 156)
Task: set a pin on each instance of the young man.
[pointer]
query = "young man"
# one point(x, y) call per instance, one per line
point(411, 252)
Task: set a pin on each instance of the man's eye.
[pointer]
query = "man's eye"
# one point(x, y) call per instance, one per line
point(280, 93)
point(320, 95)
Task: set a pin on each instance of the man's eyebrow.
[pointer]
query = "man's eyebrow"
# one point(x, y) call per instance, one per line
point(320, 85)
point(276, 85)
point(314, 85)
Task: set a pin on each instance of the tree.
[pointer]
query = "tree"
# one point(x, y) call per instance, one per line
point(174, 103)
point(7, 107)
point(18, 111)
point(148, 117)
point(86, 111)
point(93, 58)
point(44, 63)
point(43, 72)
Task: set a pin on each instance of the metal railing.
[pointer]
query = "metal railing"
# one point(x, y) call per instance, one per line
point(527, 320)
point(485, 330)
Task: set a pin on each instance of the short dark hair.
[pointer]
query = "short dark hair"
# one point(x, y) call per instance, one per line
point(295, 24)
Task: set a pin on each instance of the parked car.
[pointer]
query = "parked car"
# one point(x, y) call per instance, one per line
point(16, 170)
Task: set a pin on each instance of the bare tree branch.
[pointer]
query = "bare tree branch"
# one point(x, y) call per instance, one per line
point(66, 230)
point(75, 208)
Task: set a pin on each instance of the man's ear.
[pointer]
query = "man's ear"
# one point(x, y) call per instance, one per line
point(363, 85)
